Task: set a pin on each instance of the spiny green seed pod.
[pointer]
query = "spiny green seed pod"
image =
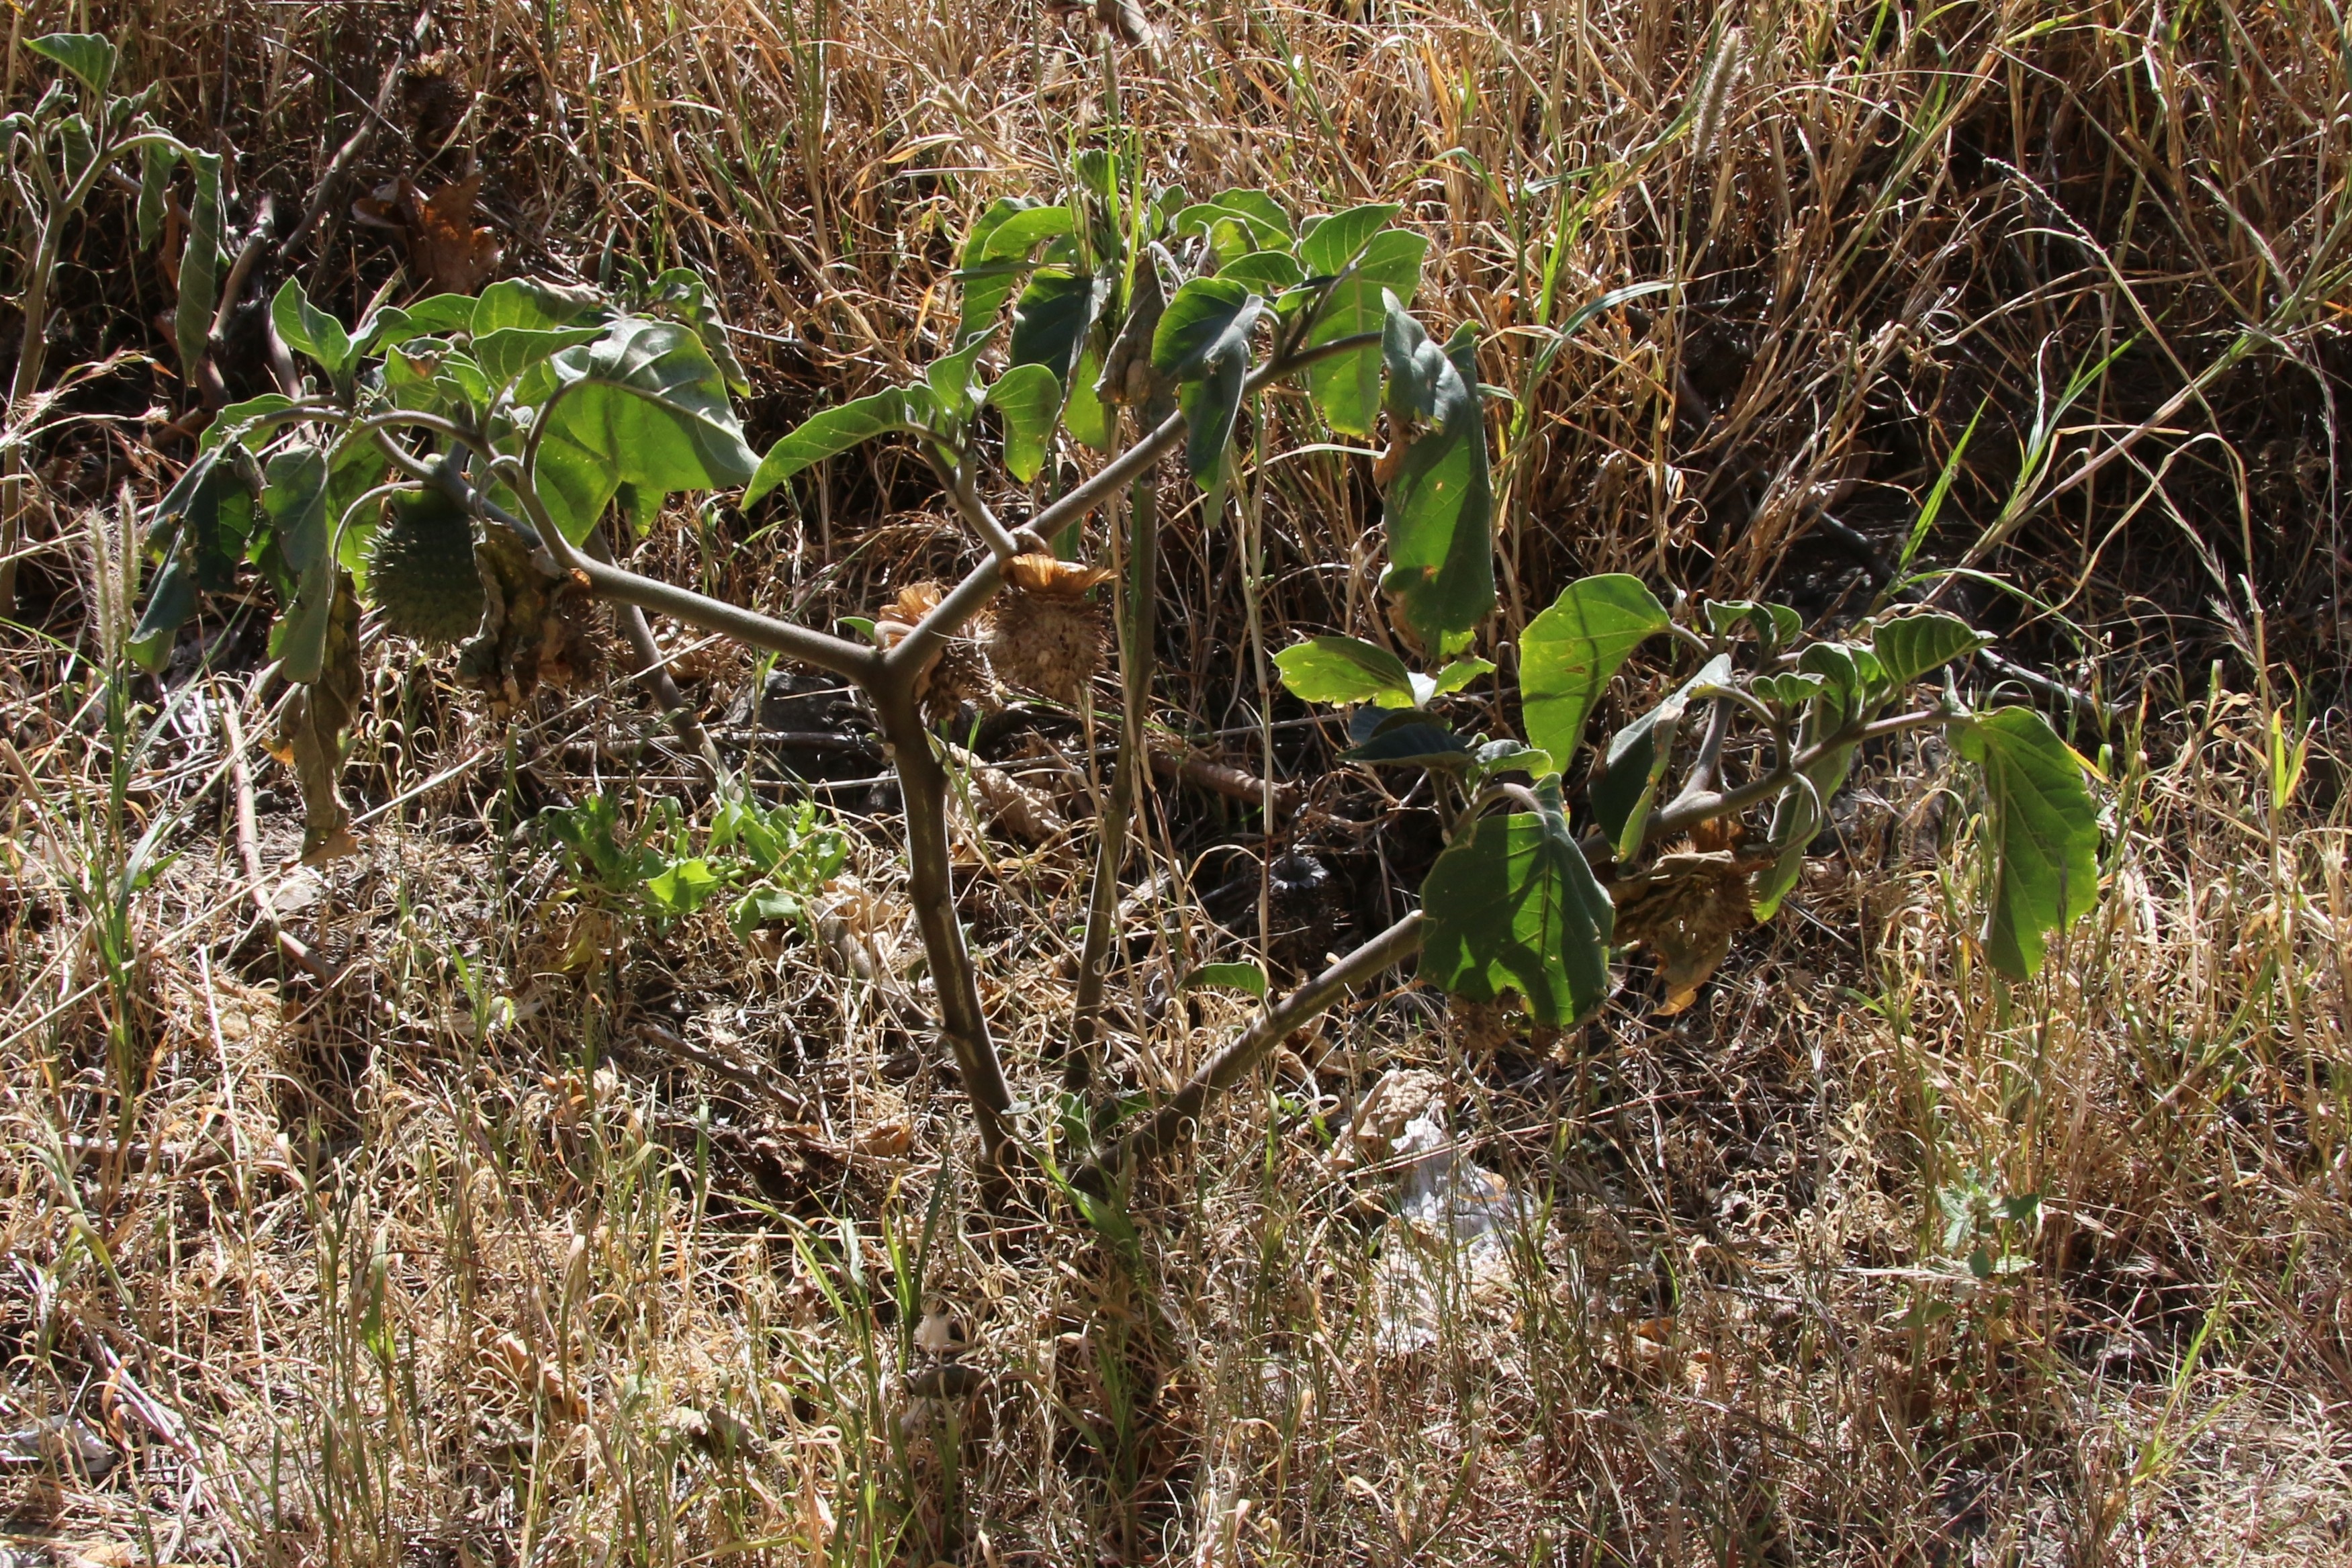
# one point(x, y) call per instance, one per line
point(421, 571)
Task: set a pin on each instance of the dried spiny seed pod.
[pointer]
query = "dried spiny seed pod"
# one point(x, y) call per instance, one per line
point(1686, 909)
point(957, 673)
point(433, 91)
point(1301, 918)
point(1048, 636)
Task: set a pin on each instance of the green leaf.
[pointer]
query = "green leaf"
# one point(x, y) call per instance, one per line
point(531, 305)
point(1083, 414)
point(1797, 816)
point(74, 142)
point(238, 420)
point(295, 499)
point(1514, 907)
point(681, 294)
point(1506, 755)
point(1052, 318)
point(1409, 738)
point(1347, 388)
point(1208, 316)
point(1345, 670)
point(88, 55)
point(1227, 977)
point(1203, 339)
point(1775, 625)
point(199, 266)
point(1439, 512)
point(1625, 787)
point(1336, 240)
point(1458, 674)
point(1027, 398)
point(644, 406)
point(1235, 231)
point(1788, 689)
point(683, 886)
point(955, 385)
point(1912, 646)
point(763, 905)
point(2041, 834)
point(504, 353)
point(995, 254)
point(438, 316)
point(156, 162)
point(827, 433)
point(1267, 272)
point(311, 330)
point(1260, 209)
point(1572, 650)
point(171, 600)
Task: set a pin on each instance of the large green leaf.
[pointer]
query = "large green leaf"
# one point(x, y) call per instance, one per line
point(437, 316)
point(644, 406)
point(2041, 834)
point(1572, 651)
point(1203, 340)
point(1332, 244)
point(88, 55)
point(1345, 670)
point(1912, 646)
point(1515, 907)
point(1027, 398)
point(1053, 318)
point(996, 252)
point(504, 353)
point(828, 433)
point(200, 260)
point(311, 330)
point(296, 500)
point(1208, 316)
point(1440, 509)
point(529, 305)
point(1347, 388)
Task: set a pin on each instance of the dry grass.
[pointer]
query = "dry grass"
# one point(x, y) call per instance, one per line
point(537, 1237)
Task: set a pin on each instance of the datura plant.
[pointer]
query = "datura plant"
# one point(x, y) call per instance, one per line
point(451, 461)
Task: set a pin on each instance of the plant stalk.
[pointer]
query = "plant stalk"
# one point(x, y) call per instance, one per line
point(1182, 1112)
point(1138, 632)
point(923, 786)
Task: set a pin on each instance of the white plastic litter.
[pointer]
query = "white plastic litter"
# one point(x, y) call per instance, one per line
point(1449, 1245)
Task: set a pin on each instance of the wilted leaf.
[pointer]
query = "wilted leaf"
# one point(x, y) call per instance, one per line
point(316, 729)
point(200, 260)
point(1439, 510)
point(2041, 834)
point(448, 251)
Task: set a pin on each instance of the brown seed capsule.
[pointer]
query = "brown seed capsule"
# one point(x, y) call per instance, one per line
point(957, 673)
point(1048, 637)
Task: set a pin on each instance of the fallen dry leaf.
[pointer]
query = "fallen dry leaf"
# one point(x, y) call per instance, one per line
point(449, 253)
